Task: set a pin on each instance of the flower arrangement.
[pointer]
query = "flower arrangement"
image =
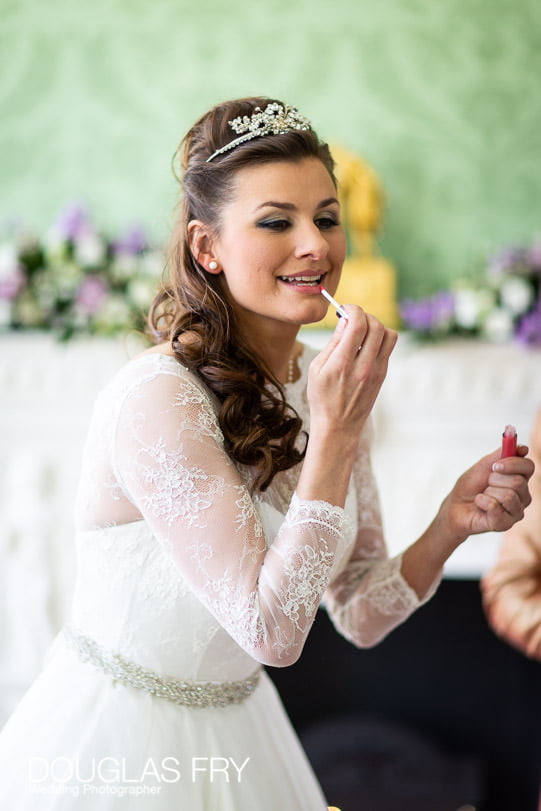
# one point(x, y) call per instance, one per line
point(77, 280)
point(504, 304)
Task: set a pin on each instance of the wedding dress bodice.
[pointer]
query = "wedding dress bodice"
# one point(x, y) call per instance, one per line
point(182, 570)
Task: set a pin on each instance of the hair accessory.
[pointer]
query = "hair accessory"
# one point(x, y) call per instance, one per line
point(213, 265)
point(274, 120)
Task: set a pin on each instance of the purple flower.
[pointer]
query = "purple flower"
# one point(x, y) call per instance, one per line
point(428, 315)
point(416, 315)
point(133, 242)
point(507, 260)
point(529, 329)
point(12, 284)
point(91, 294)
point(12, 275)
point(443, 305)
point(73, 222)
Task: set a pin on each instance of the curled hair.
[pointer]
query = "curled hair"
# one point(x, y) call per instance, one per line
point(260, 429)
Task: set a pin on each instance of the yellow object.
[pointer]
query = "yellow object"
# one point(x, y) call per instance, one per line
point(367, 279)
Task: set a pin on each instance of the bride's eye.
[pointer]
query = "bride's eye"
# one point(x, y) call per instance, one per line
point(326, 221)
point(274, 224)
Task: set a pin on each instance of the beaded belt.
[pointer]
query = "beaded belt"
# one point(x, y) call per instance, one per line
point(187, 693)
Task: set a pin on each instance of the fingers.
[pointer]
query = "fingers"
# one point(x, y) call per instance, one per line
point(359, 327)
point(508, 486)
point(515, 464)
point(500, 500)
point(361, 337)
point(355, 331)
point(389, 341)
point(479, 475)
point(506, 496)
point(366, 332)
point(346, 377)
point(360, 346)
point(516, 483)
point(496, 517)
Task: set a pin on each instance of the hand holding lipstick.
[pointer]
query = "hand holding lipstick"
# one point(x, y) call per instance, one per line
point(343, 384)
point(489, 497)
point(340, 312)
point(345, 379)
point(492, 495)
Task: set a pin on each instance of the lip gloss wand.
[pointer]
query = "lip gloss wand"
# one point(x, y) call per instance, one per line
point(340, 312)
point(509, 441)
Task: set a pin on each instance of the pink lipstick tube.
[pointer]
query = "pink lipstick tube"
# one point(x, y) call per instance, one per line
point(509, 441)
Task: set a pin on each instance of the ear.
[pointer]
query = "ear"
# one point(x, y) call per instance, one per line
point(201, 246)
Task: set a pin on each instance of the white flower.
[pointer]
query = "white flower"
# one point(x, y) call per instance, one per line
point(89, 250)
point(152, 263)
point(54, 241)
point(9, 260)
point(517, 294)
point(141, 291)
point(498, 325)
point(124, 266)
point(64, 278)
point(114, 313)
point(471, 305)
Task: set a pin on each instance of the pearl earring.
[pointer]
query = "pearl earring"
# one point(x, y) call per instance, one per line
point(213, 265)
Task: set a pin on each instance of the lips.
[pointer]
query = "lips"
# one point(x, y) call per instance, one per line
point(306, 279)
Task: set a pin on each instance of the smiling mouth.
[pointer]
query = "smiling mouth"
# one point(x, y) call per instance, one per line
point(303, 281)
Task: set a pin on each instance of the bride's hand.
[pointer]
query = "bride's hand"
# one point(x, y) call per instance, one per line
point(491, 496)
point(345, 378)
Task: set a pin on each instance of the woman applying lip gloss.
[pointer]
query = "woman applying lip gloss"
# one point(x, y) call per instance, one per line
point(226, 492)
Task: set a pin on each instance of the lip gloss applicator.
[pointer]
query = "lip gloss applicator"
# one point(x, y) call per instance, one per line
point(509, 441)
point(340, 312)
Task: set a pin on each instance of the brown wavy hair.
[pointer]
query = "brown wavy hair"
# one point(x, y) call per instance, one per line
point(260, 429)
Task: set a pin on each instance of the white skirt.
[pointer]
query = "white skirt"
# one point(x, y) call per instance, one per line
point(79, 742)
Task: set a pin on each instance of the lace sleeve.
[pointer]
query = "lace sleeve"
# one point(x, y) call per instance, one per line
point(169, 459)
point(370, 597)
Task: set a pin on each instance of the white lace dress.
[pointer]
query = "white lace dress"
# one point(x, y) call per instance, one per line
point(153, 697)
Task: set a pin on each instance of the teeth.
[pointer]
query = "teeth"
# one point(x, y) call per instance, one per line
point(312, 279)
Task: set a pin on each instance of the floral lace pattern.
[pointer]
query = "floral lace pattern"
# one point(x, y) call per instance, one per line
point(158, 457)
point(174, 489)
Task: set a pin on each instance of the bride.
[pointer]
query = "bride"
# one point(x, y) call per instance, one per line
point(226, 491)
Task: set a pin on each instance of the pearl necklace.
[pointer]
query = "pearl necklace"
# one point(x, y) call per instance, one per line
point(290, 377)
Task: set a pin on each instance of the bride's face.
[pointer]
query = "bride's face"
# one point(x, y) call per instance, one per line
point(279, 238)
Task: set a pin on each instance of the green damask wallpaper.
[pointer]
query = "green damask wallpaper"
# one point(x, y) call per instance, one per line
point(442, 98)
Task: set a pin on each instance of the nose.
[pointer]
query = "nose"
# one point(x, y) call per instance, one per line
point(311, 243)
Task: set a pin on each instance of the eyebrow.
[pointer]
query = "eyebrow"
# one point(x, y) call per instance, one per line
point(290, 207)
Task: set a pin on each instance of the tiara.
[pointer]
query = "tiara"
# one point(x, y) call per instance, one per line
point(273, 120)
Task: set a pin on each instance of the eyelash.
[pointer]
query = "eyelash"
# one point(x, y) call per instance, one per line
point(330, 221)
point(324, 223)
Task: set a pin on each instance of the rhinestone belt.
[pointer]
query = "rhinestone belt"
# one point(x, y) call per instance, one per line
point(186, 693)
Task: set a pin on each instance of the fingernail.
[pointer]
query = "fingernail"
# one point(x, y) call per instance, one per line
point(340, 327)
point(497, 466)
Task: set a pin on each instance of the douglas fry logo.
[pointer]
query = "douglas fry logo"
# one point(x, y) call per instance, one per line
point(110, 775)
